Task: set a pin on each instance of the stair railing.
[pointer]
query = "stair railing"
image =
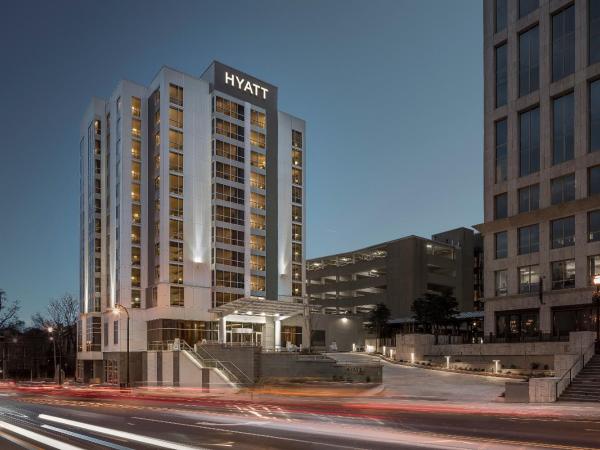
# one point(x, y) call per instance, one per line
point(567, 378)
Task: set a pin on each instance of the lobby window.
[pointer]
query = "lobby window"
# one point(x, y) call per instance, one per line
point(529, 279)
point(563, 274)
point(563, 43)
point(517, 324)
point(593, 267)
point(501, 283)
point(562, 189)
point(501, 245)
point(563, 232)
point(501, 206)
point(563, 124)
point(595, 116)
point(594, 226)
point(594, 180)
point(529, 198)
point(529, 61)
point(501, 151)
point(500, 15)
point(529, 142)
point(529, 239)
point(501, 75)
point(527, 6)
point(594, 31)
point(176, 296)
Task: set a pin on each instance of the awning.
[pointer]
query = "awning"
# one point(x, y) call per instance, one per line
point(253, 306)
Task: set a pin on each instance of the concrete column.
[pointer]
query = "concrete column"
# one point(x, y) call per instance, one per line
point(277, 334)
point(269, 334)
point(222, 330)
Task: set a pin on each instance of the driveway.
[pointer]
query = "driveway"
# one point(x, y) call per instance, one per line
point(415, 383)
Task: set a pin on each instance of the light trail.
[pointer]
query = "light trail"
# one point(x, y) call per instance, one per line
point(45, 440)
point(86, 438)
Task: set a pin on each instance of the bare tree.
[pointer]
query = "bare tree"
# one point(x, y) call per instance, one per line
point(8, 311)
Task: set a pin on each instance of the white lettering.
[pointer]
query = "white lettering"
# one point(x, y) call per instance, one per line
point(245, 85)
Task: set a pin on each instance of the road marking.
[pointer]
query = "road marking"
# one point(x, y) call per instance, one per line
point(249, 433)
point(122, 434)
point(87, 438)
point(47, 441)
point(19, 442)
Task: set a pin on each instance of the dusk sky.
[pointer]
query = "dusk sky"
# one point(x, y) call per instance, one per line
point(392, 93)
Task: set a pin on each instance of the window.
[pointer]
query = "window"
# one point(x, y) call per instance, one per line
point(229, 215)
point(136, 128)
point(296, 213)
point(229, 279)
point(562, 189)
point(229, 257)
point(257, 221)
point(595, 116)
point(175, 117)
point(501, 206)
point(594, 267)
point(175, 140)
point(296, 138)
point(297, 158)
point(501, 244)
point(501, 75)
point(175, 229)
point(258, 160)
point(135, 234)
point(529, 142)
point(529, 61)
point(135, 277)
point(297, 176)
point(176, 296)
point(594, 226)
point(229, 108)
point(529, 239)
point(229, 172)
point(93, 331)
point(257, 139)
point(176, 94)
point(563, 43)
point(175, 207)
point(517, 324)
point(175, 251)
point(500, 16)
point(258, 119)
point(563, 129)
point(175, 162)
point(296, 232)
point(116, 332)
point(176, 273)
point(135, 298)
point(594, 180)
point(296, 195)
point(501, 283)
point(220, 298)
point(136, 256)
point(228, 236)
point(563, 232)
point(257, 201)
point(529, 279)
point(258, 263)
point(228, 193)
point(529, 198)
point(257, 243)
point(501, 151)
point(229, 151)
point(257, 283)
point(297, 252)
point(563, 274)
point(136, 149)
point(136, 107)
point(594, 31)
point(105, 334)
point(257, 180)
point(527, 6)
point(228, 129)
point(176, 184)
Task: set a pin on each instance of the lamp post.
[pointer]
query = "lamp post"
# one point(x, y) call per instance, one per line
point(596, 302)
point(116, 311)
point(51, 332)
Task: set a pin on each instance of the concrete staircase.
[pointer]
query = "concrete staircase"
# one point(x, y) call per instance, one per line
point(586, 385)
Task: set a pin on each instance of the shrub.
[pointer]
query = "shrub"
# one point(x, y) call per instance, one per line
point(535, 366)
point(546, 367)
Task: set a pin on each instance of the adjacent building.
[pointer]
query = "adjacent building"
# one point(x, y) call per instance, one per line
point(192, 196)
point(395, 273)
point(541, 166)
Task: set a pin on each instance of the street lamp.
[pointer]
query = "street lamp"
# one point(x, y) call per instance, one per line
point(596, 301)
point(51, 332)
point(116, 311)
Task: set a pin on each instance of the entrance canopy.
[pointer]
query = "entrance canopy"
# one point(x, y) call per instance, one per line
point(254, 306)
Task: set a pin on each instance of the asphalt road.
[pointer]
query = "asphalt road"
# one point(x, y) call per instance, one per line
point(39, 420)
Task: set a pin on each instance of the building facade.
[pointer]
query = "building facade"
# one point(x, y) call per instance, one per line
point(395, 273)
point(192, 196)
point(541, 165)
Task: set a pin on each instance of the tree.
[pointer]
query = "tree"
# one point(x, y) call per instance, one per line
point(62, 315)
point(434, 311)
point(378, 321)
point(8, 312)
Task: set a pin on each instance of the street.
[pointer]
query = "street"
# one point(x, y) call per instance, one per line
point(81, 419)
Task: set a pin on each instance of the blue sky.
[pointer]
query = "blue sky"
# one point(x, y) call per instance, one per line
point(392, 92)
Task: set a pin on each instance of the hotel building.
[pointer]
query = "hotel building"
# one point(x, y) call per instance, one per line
point(541, 166)
point(192, 196)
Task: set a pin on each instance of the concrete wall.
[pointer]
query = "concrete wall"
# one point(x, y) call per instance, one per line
point(343, 330)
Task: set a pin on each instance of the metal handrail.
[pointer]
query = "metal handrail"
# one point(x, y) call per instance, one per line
point(580, 359)
point(222, 363)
